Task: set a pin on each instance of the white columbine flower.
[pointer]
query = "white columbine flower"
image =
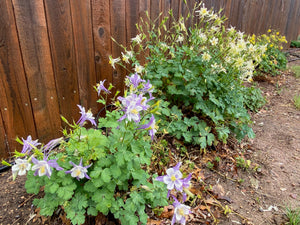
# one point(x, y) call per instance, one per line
point(202, 36)
point(138, 68)
point(212, 16)
point(215, 29)
point(180, 38)
point(231, 29)
point(125, 58)
point(206, 56)
point(20, 168)
point(137, 39)
point(214, 41)
point(239, 62)
point(112, 61)
point(251, 48)
point(203, 11)
point(241, 44)
point(240, 34)
point(129, 53)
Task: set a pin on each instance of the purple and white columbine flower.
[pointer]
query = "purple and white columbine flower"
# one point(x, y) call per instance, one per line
point(79, 171)
point(29, 144)
point(20, 168)
point(133, 104)
point(44, 167)
point(180, 212)
point(148, 88)
point(85, 116)
point(151, 127)
point(52, 144)
point(100, 87)
point(172, 179)
point(135, 80)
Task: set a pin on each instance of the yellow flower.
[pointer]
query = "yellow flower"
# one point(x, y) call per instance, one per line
point(269, 31)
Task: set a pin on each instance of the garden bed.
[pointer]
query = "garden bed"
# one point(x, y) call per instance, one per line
point(258, 194)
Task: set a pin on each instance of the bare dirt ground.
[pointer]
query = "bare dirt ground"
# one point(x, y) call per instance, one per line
point(255, 195)
point(264, 195)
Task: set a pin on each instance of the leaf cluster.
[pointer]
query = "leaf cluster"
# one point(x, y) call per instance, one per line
point(273, 60)
point(199, 74)
point(119, 183)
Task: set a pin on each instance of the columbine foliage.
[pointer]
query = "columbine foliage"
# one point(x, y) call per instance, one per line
point(273, 60)
point(102, 169)
point(199, 74)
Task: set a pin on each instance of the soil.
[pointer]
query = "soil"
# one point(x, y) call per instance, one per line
point(230, 192)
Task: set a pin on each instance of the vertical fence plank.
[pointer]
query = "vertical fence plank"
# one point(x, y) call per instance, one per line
point(132, 17)
point(102, 40)
point(33, 37)
point(155, 7)
point(118, 32)
point(175, 9)
point(293, 21)
point(4, 154)
point(144, 5)
point(63, 56)
point(84, 51)
point(185, 10)
point(165, 8)
point(14, 96)
point(144, 8)
point(252, 21)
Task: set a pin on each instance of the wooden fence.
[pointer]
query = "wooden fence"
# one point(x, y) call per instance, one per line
point(52, 53)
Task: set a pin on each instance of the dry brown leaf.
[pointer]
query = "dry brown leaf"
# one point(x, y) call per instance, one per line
point(153, 222)
point(218, 190)
point(203, 207)
point(211, 201)
point(196, 189)
point(167, 212)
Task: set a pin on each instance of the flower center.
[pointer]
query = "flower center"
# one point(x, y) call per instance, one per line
point(173, 178)
point(181, 212)
point(78, 172)
point(42, 169)
point(134, 111)
point(22, 166)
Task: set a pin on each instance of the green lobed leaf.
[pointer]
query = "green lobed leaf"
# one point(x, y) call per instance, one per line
point(66, 192)
point(106, 175)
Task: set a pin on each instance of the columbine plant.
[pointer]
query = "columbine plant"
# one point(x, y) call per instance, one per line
point(102, 169)
point(198, 72)
point(273, 60)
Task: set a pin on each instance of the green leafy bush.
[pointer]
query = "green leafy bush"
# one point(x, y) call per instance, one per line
point(253, 98)
point(295, 44)
point(199, 74)
point(98, 170)
point(274, 60)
